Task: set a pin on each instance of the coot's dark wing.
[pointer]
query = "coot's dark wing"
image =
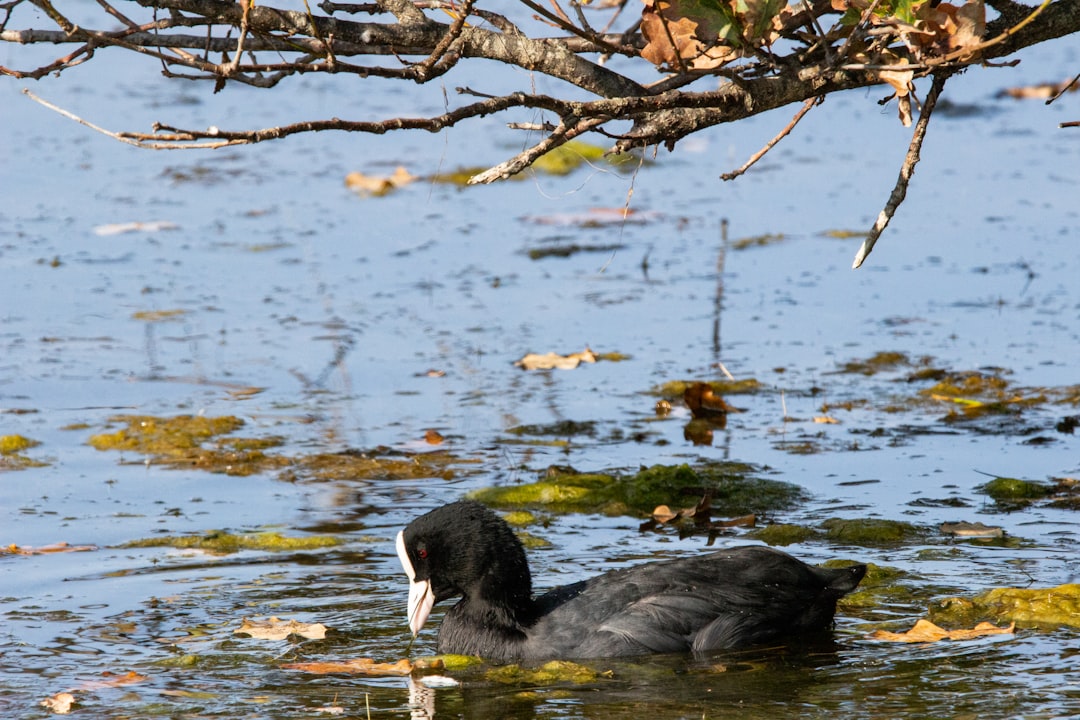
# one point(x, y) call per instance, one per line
point(723, 600)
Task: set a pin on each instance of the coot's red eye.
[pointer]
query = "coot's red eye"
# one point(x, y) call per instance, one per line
point(422, 552)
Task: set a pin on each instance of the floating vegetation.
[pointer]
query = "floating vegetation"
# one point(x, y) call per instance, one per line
point(381, 463)
point(198, 442)
point(879, 362)
point(871, 531)
point(675, 389)
point(565, 251)
point(224, 543)
point(563, 428)
point(783, 534)
point(1030, 607)
point(732, 487)
point(556, 671)
point(11, 453)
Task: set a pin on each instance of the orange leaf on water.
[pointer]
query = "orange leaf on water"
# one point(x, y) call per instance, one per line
point(926, 631)
point(364, 666)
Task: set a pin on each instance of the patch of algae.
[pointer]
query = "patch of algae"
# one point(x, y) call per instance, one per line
point(881, 586)
point(871, 531)
point(11, 449)
point(731, 486)
point(879, 362)
point(556, 671)
point(12, 444)
point(1003, 489)
point(225, 543)
point(181, 442)
point(674, 389)
point(782, 534)
point(378, 464)
point(1027, 607)
point(194, 441)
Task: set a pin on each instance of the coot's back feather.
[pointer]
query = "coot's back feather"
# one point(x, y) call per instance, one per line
point(722, 600)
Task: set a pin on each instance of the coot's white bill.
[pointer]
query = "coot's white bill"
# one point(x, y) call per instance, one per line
point(421, 599)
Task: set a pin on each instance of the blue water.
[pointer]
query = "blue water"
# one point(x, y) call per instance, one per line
point(336, 306)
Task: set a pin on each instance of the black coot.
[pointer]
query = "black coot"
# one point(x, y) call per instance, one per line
point(723, 600)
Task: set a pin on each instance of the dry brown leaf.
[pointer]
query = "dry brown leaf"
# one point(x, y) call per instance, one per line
point(60, 547)
point(973, 530)
point(663, 514)
point(826, 420)
point(1040, 92)
point(377, 185)
point(278, 629)
point(433, 437)
point(365, 666)
point(926, 631)
point(60, 703)
point(112, 680)
point(551, 360)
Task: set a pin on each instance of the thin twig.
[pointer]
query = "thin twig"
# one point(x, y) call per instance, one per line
point(113, 135)
point(906, 171)
point(811, 102)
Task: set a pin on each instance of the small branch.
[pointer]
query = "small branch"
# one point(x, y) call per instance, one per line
point(906, 171)
point(519, 162)
point(780, 136)
point(115, 136)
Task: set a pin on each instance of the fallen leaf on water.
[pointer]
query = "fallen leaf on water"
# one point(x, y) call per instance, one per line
point(976, 530)
point(926, 631)
point(278, 629)
point(826, 420)
point(1041, 91)
point(112, 680)
point(550, 360)
point(377, 185)
point(121, 228)
point(365, 666)
point(433, 437)
point(60, 703)
point(663, 514)
point(60, 547)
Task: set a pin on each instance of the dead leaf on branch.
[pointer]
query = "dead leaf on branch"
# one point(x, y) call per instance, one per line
point(705, 34)
point(926, 631)
point(278, 629)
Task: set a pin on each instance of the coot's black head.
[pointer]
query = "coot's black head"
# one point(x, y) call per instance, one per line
point(462, 549)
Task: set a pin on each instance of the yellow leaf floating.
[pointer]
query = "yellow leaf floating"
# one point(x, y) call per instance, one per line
point(550, 360)
point(278, 629)
point(377, 185)
point(926, 631)
point(366, 666)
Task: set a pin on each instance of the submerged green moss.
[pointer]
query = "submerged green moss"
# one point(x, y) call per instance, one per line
point(674, 389)
point(731, 487)
point(164, 435)
point(783, 534)
point(1047, 607)
point(225, 543)
point(879, 362)
point(1011, 489)
point(556, 671)
point(870, 531)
